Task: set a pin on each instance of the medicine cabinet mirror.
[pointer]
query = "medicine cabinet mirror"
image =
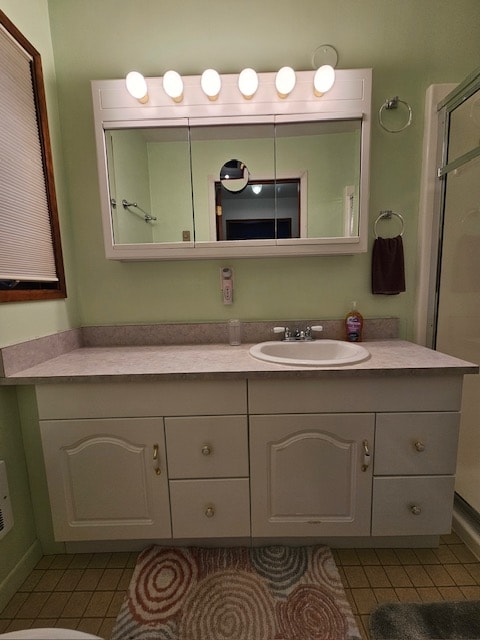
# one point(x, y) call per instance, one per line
point(268, 176)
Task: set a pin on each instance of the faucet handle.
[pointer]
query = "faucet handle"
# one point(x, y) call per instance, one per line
point(316, 327)
point(284, 330)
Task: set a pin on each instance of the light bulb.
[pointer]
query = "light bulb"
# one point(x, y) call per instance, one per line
point(137, 86)
point(285, 81)
point(248, 83)
point(173, 85)
point(324, 79)
point(211, 83)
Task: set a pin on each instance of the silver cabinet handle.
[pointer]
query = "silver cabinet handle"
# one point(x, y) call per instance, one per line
point(415, 509)
point(206, 449)
point(157, 469)
point(366, 456)
point(210, 511)
point(419, 446)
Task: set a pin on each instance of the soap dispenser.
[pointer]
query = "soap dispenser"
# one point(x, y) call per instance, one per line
point(354, 324)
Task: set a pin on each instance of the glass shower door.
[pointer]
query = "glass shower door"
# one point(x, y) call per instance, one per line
point(458, 302)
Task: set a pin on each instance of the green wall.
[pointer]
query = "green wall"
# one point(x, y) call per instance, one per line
point(20, 549)
point(409, 44)
point(21, 321)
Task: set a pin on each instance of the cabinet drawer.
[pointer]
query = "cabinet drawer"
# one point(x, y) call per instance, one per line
point(352, 393)
point(210, 508)
point(416, 443)
point(413, 505)
point(164, 398)
point(207, 447)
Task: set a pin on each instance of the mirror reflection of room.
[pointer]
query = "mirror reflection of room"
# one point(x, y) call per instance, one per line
point(245, 182)
point(151, 168)
point(262, 210)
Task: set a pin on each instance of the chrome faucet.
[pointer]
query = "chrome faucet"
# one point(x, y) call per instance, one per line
point(298, 335)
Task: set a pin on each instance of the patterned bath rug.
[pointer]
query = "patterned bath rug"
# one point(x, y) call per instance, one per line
point(238, 593)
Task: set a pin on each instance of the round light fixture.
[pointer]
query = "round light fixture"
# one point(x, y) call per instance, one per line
point(173, 85)
point(285, 81)
point(211, 83)
point(324, 79)
point(248, 82)
point(137, 86)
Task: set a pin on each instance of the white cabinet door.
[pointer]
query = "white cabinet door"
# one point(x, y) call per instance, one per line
point(107, 478)
point(310, 475)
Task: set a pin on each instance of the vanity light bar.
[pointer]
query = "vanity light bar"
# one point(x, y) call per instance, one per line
point(248, 82)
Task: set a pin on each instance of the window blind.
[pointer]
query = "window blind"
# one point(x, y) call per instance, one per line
point(26, 245)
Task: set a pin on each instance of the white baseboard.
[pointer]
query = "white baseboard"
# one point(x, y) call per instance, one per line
point(14, 580)
point(467, 531)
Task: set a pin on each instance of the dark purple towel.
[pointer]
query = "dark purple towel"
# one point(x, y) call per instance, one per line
point(388, 269)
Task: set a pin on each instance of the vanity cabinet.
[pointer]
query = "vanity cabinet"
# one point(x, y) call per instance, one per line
point(353, 457)
point(137, 461)
point(346, 456)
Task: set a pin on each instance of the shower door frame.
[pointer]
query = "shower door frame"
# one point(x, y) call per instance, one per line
point(441, 101)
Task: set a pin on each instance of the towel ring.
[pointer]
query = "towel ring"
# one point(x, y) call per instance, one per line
point(392, 103)
point(387, 215)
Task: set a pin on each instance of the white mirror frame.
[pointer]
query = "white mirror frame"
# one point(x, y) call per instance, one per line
point(115, 108)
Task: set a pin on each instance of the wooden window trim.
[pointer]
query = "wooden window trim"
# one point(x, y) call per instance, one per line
point(39, 290)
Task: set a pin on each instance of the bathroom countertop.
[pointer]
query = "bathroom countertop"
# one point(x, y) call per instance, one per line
point(220, 361)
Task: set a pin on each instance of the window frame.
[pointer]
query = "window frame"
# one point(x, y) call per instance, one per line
point(39, 290)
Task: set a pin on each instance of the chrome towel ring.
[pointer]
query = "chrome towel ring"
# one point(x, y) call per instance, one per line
point(387, 216)
point(392, 103)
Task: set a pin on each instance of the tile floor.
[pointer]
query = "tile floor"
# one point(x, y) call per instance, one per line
point(85, 591)
point(82, 591)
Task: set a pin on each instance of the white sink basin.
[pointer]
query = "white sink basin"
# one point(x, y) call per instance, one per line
point(318, 353)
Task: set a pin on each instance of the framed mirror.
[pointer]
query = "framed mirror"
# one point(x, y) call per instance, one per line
point(265, 177)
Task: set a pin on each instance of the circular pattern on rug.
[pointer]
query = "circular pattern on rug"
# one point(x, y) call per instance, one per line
point(310, 612)
point(223, 559)
point(324, 570)
point(281, 566)
point(230, 605)
point(161, 585)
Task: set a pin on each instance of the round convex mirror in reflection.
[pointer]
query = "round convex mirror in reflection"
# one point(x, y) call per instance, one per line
point(234, 175)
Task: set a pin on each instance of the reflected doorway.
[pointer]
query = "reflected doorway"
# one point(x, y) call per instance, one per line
point(264, 209)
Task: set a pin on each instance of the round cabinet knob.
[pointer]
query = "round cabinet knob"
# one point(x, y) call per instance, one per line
point(210, 512)
point(419, 446)
point(206, 449)
point(415, 509)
